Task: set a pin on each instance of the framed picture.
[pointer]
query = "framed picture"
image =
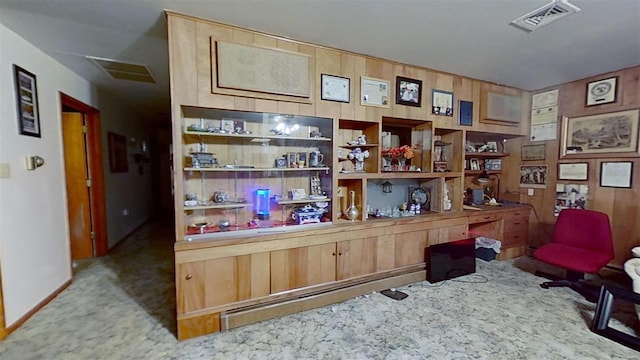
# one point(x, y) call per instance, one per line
point(302, 158)
point(374, 92)
point(600, 134)
point(573, 171)
point(492, 146)
point(227, 125)
point(616, 174)
point(292, 160)
point(335, 88)
point(601, 91)
point(27, 102)
point(533, 176)
point(408, 91)
point(117, 153)
point(441, 102)
point(474, 164)
point(533, 152)
point(466, 113)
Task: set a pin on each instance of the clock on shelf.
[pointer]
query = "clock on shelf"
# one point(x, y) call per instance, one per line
point(420, 196)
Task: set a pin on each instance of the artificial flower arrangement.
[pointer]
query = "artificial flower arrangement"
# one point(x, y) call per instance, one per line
point(405, 151)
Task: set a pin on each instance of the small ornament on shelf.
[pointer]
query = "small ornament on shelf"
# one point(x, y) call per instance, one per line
point(359, 156)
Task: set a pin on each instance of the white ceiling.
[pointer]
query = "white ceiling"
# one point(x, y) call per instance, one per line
point(465, 37)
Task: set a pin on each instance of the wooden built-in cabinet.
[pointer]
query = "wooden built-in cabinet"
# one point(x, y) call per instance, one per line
point(232, 270)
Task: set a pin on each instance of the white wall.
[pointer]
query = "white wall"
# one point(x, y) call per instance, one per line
point(35, 256)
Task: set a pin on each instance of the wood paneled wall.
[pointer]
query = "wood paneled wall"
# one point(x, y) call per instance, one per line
point(622, 205)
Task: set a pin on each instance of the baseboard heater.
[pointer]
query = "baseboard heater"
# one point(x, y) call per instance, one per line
point(251, 314)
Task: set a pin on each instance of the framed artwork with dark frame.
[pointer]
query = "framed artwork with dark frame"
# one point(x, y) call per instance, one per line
point(441, 102)
point(573, 171)
point(117, 153)
point(27, 102)
point(466, 113)
point(601, 91)
point(408, 91)
point(616, 174)
point(335, 88)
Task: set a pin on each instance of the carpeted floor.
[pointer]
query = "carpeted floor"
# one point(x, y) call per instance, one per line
point(122, 306)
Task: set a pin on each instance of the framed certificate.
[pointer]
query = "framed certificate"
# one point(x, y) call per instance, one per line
point(573, 171)
point(374, 92)
point(616, 174)
point(335, 88)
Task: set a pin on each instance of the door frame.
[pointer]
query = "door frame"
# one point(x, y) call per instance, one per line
point(94, 163)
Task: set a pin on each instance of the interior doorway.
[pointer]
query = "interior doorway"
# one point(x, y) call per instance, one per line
point(84, 178)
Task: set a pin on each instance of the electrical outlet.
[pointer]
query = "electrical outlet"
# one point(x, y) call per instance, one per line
point(530, 192)
point(5, 171)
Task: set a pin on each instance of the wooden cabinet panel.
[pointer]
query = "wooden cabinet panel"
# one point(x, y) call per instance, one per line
point(453, 233)
point(517, 237)
point(483, 217)
point(364, 256)
point(302, 266)
point(410, 247)
point(208, 283)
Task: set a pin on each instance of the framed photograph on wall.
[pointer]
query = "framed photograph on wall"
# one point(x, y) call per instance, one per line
point(408, 91)
point(608, 133)
point(573, 171)
point(602, 91)
point(335, 88)
point(533, 176)
point(441, 102)
point(465, 113)
point(118, 161)
point(27, 102)
point(616, 174)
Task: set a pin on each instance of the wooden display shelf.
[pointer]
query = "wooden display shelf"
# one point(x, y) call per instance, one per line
point(478, 172)
point(228, 205)
point(224, 169)
point(255, 136)
point(359, 146)
point(301, 201)
point(399, 175)
point(485, 154)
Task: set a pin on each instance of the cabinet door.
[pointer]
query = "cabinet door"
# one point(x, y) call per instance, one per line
point(447, 234)
point(303, 266)
point(410, 248)
point(364, 256)
point(208, 283)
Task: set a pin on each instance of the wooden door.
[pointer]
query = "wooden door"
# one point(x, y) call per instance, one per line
point(410, 248)
point(76, 172)
point(209, 283)
point(364, 256)
point(303, 266)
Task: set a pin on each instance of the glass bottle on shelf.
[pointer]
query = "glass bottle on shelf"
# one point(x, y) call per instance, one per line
point(352, 211)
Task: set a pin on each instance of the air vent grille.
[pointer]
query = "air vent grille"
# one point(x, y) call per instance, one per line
point(545, 15)
point(122, 70)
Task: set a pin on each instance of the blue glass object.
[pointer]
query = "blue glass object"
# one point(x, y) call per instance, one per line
point(262, 204)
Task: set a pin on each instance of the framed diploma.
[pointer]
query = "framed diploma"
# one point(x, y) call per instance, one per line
point(616, 174)
point(374, 92)
point(335, 88)
point(573, 171)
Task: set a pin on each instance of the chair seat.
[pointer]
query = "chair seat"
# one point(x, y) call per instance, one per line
point(571, 258)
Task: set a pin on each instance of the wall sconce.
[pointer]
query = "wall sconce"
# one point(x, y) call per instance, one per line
point(34, 162)
point(387, 187)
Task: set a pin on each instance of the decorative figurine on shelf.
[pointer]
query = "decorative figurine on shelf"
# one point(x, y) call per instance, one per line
point(359, 156)
point(446, 203)
point(361, 140)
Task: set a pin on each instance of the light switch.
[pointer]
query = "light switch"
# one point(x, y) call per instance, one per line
point(5, 171)
point(530, 192)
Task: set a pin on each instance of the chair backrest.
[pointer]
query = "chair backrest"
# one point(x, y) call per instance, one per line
point(586, 229)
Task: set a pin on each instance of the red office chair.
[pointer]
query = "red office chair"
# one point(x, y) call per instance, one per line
point(581, 243)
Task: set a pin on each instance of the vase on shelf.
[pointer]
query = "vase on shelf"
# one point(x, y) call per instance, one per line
point(352, 212)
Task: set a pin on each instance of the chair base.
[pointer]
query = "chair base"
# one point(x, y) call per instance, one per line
point(575, 281)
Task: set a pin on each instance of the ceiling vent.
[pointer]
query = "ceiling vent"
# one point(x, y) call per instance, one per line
point(545, 15)
point(123, 71)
